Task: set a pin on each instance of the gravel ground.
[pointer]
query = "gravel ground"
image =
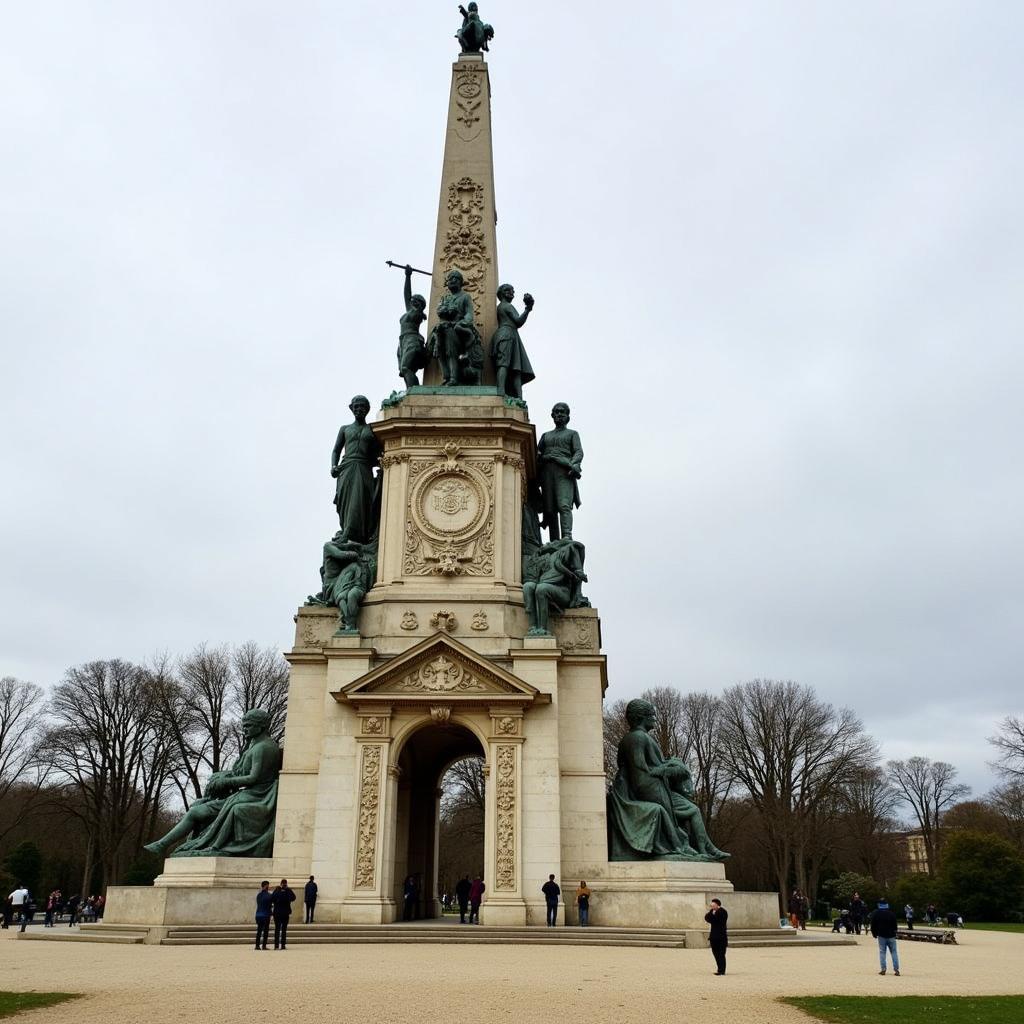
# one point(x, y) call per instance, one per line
point(522, 984)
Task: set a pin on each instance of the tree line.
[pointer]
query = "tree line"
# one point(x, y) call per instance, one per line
point(95, 769)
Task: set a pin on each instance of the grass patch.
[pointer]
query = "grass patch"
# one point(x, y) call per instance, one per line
point(15, 1002)
point(995, 926)
point(911, 1009)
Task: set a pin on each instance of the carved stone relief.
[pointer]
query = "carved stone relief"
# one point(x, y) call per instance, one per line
point(577, 634)
point(369, 801)
point(308, 634)
point(505, 804)
point(479, 622)
point(410, 622)
point(444, 620)
point(440, 675)
point(441, 715)
point(374, 725)
point(468, 101)
point(507, 725)
point(465, 245)
point(449, 528)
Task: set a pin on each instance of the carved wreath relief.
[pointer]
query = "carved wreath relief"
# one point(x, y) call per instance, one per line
point(440, 675)
point(505, 802)
point(449, 529)
point(465, 245)
point(468, 101)
point(369, 799)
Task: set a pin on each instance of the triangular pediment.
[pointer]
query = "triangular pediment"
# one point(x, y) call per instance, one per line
point(439, 667)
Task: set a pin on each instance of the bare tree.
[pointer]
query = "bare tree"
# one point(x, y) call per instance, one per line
point(1009, 741)
point(791, 752)
point(107, 744)
point(259, 680)
point(928, 787)
point(700, 748)
point(867, 803)
point(615, 727)
point(20, 768)
point(1007, 801)
point(206, 680)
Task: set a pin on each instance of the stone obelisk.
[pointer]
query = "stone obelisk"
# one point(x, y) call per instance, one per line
point(466, 238)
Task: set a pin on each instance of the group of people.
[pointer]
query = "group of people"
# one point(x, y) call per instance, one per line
point(469, 896)
point(276, 905)
point(799, 909)
point(23, 906)
point(552, 891)
point(853, 918)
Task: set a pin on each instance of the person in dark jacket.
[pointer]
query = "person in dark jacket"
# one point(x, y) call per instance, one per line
point(264, 901)
point(717, 916)
point(857, 910)
point(551, 892)
point(281, 900)
point(462, 887)
point(884, 927)
point(309, 897)
point(476, 895)
point(409, 898)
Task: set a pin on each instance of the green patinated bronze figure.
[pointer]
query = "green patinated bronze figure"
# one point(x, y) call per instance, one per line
point(235, 816)
point(356, 494)
point(348, 571)
point(511, 363)
point(474, 35)
point(412, 351)
point(455, 341)
point(559, 456)
point(651, 813)
point(553, 579)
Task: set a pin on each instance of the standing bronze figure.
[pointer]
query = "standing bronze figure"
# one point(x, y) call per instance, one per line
point(355, 494)
point(511, 363)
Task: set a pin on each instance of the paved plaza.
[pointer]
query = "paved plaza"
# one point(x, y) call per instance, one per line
point(523, 984)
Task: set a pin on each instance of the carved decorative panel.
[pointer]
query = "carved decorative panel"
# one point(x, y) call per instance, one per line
point(465, 245)
point(369, 805)
point(505, 805)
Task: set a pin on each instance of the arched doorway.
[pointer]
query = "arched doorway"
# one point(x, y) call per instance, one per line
point(424, 759)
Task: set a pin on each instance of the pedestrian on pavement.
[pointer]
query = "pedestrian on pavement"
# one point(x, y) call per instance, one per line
point(908, 914)
point(309, 898)
point(718, 938)
point(476, 894)
point(28, 911)
point(73, 910)
point(462, 887)
point(17, 899)
point(52, 907)
point(857, 910)
point(551, 893)
point(264, 903)
point(281, 900)
point(583, 903)
point(884, 927)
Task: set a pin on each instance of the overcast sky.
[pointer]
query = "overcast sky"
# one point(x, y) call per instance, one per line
point(777, 253)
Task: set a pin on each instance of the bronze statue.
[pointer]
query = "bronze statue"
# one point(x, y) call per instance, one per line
point(474, 35)
point(412, 352)
point(356, 494)
point(651, 813)
point(349, 570)
point(511, 363)
point(559, 456)
point(235, 816)
point(553, 578)
point(455, 341)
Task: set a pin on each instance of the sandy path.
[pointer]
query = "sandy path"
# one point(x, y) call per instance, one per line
point(522, 984)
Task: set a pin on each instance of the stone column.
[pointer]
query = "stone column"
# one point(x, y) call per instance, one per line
point(466, 237)
point(504, 805)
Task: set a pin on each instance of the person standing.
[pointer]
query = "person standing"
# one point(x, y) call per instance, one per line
point(462, 887)
point(73, 910)
point(908, 913)
point(28, 911)
point(718, 938)
point(309, 897)
point(794, 909)
point(18, 900)
point(551, 893)
point(884, 927)
point(52, 907)
point(857, 909)
point(408, 898)
point(264, 901)
point(281, 900)
point(476, 895)
point(583, 903)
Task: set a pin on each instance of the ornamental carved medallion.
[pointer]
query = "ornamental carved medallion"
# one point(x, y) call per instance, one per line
point(505, 803)
point(450, 524)
point(369, 800)
point(439, 675)
point(468, 102)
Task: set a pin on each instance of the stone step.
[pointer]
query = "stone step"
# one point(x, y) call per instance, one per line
point(53, 935)
point(761, 943)
point(431, 940)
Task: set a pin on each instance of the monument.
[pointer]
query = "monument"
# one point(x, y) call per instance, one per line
point(446, 626)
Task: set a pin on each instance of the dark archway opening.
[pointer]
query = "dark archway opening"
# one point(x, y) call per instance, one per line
point(429, 761)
